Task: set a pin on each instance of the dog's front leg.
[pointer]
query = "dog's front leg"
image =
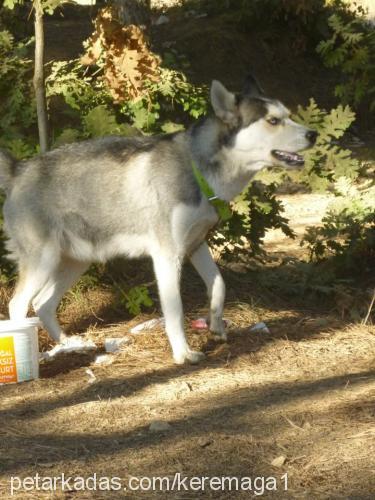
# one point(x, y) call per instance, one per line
point(205, 265)
point(168, 271)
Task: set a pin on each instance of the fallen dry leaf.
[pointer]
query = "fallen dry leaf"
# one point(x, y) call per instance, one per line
point(279, 461)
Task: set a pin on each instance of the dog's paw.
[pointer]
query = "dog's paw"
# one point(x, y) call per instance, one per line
point(217, 329)
point(220, 336)
point(195, 357)
point(189, 356)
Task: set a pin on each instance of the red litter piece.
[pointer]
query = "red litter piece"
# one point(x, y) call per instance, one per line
point(199, 324)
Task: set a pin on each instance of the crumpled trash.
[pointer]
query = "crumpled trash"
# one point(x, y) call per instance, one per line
point(74, 343)
point(203, 324)
point(260, 327)
point(199, 324)
point(91, 375)
point(103, 359)
point(147, 325)
point(114, 344)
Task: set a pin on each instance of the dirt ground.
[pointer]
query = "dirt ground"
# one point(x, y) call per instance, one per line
point(301, 394)
point(296, 400)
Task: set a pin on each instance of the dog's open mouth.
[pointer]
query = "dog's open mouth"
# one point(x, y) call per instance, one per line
point(293, 159)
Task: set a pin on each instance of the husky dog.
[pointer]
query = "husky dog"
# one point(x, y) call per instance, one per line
point(117, 196)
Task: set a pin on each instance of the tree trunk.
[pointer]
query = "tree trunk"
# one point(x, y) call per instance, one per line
point(39, 88)
point(133, 11)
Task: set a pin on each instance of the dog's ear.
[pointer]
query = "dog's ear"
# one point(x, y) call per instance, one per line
point(223, 103)
point(251, 87)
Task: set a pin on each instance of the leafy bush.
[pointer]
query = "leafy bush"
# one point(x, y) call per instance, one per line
point(340, 273)
point(121, 73)
point(303, 22)
point(169, 99)
point(254, 212)
point(137, 297)
point(327, 161)
point(17, 104)
point(348, 231)
point(351, 48)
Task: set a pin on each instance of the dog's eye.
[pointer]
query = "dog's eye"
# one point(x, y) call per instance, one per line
point(273, 120)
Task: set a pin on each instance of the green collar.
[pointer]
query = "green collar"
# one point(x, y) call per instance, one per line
point(222, 207)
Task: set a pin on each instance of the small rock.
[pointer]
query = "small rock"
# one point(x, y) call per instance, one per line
point(159, 426)
point(260, 327)
point(279, 461)
point(190, 13)
point(306, 426)
point(203, 442)
point(2, 316)
point(162, 20)
point(320, 322)
point(237, 267)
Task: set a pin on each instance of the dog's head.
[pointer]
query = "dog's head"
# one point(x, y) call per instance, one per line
point(259, 129)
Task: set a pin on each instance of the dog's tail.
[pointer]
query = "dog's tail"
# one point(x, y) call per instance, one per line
point(7, 164)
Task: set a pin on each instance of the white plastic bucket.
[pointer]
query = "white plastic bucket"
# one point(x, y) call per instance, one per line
point(19, 352)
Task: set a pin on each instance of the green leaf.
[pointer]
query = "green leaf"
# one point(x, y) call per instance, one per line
point(336, 122)
point(20, 149)
point(100, 121)
point(6, 42)
point(140, 120)
point(309, 116)
point(10, 4)
point(137, 297)
point(49, 6)
point(67, 136)
point(241, 204)
point(171, 127)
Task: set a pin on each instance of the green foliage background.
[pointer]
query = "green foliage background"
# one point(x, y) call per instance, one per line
point(85, 109)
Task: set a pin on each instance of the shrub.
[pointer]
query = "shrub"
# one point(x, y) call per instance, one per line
point(17, 104)
point(348, 230)
point(351, 49)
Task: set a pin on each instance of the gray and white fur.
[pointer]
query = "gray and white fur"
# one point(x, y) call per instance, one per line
point(116, 196)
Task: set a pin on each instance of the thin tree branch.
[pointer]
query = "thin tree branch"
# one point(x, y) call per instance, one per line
point(369, 309)
point(39, 88)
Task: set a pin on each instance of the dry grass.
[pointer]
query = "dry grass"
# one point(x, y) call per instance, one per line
point(305, 391)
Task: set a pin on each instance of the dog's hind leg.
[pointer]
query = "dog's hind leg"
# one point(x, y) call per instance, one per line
point(168, 271)
point(49, 297)
point(19, 304)
point(33, 274)
point(205, 265)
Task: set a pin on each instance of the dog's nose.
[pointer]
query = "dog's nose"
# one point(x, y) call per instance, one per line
point(311, 136)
